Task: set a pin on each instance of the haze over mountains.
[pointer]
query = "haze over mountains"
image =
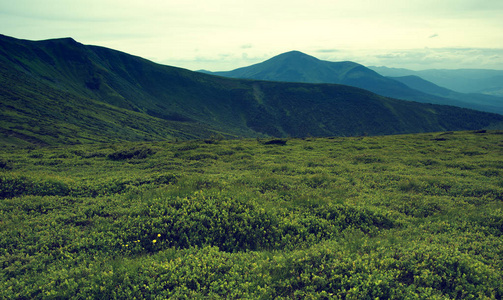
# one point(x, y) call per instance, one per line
point(489, 82)
point(296, 66)
point(60, 91)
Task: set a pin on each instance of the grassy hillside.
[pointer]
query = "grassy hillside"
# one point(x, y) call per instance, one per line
point(61, 84)
point(399, 217)
point(60, 91)
point(32, 113)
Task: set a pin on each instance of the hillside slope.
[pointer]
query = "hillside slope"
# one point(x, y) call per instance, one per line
point(60, 91)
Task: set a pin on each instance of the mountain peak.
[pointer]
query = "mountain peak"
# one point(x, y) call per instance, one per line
point(65, 40)
point(294, 54)
point(295, 66)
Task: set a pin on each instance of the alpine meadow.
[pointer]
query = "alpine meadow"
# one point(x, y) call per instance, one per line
point(124, 179)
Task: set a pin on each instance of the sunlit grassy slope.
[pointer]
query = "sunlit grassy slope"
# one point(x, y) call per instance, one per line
point(401, 217)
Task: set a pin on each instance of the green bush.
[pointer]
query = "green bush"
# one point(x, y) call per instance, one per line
point(5, 164)
point(17, 186)
point(133, 153)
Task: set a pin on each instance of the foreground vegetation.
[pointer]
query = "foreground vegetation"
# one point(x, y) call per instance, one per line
point(404, 217)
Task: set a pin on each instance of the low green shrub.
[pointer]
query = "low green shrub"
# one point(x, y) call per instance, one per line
point(12, 186)
point(5, 164)
point(280, 142)
point(132, 153)
point(212, 219)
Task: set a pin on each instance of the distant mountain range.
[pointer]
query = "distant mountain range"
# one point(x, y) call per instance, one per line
point(63, 92)
point(296, 66)
point(489, 82)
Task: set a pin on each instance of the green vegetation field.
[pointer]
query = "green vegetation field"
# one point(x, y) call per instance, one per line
point(404, 217)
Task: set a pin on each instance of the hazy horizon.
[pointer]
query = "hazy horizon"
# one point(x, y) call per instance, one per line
point(223, 35)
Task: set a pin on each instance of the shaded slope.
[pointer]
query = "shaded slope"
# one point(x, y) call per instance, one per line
point(60, 91)
point(420, 84)
point(320, 110)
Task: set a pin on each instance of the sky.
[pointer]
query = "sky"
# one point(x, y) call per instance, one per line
point(221, 35)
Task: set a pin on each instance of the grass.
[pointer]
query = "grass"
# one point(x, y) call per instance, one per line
point(404, 217)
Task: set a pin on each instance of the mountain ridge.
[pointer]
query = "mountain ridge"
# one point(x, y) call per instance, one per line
point(481, 102)
point(482, 81)
point(62, 92)
point(295, 66)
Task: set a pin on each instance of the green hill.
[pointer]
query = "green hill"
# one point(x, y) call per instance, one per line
point(60, 91)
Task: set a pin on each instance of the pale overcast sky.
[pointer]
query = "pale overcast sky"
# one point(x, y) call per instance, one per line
point(222, 35)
